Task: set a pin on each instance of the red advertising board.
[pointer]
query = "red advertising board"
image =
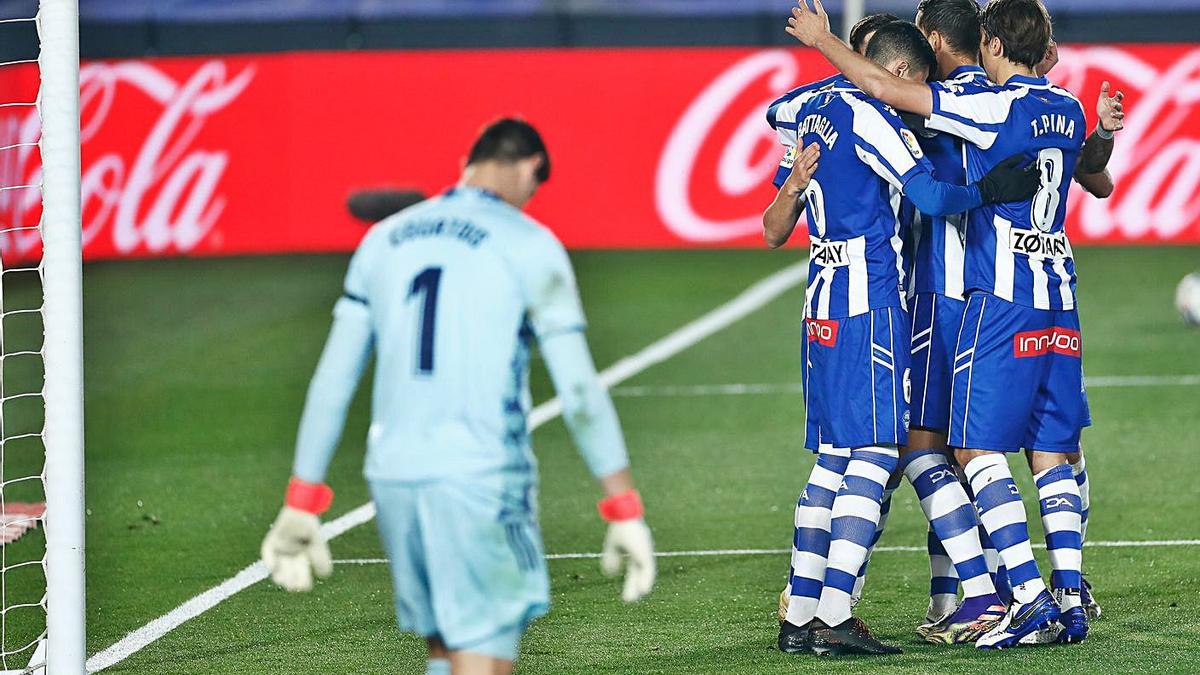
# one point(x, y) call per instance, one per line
point(218, 155)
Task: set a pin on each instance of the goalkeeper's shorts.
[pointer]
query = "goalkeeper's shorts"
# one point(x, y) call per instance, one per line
point(466, 558)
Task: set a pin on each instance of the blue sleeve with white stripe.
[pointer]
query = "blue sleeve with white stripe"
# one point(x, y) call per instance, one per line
point(883, 143)
point(973, 111)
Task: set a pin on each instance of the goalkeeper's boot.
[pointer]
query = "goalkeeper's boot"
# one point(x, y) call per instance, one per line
point(975, 617)
point(1020, 620)
point(848, 637)
point(936, 617)
point(795, 639)
point(1089, 601)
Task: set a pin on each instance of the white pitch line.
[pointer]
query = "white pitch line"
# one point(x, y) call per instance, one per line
point(747, 389)
point(748, 301)
point(782, 551)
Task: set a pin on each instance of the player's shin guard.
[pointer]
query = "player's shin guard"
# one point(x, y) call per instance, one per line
point(810, 541)
point(1058, 494)
point(884, 509)
point(952, 518)
point(856, 512)
point(1079, 469)
point(1003, 514)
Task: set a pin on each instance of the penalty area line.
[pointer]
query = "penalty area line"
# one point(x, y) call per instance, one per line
point(745, 303)
point(782, 551)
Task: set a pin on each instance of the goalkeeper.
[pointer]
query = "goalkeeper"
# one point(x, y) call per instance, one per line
point(449, 293)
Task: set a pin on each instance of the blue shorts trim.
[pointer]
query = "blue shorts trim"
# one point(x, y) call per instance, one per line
point(1017, 379)
point(856, 379)
point(936, 321)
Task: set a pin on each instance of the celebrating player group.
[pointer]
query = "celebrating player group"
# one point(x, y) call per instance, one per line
point(941, 329)
point(941, 334)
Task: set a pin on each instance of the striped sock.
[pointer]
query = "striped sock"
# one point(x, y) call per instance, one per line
point(884, 509)
point(1059, 496)
point(990, 555)
point(856, 511)
point(1085, 491)
point(943, 580)
point(810, 541)
point(995, 568)
point(952, 518)
point(1003, 514)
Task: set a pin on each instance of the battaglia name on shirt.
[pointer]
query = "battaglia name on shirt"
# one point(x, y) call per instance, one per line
point(454, 228)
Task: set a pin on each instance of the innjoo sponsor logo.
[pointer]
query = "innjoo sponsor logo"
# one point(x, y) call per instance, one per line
point(1038, 342)
point(822, 331)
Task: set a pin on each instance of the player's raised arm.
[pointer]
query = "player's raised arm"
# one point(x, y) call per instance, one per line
point(1098, 147)
point(294, 548)
point(781, 216)
point(556, 318)
point(812, 28)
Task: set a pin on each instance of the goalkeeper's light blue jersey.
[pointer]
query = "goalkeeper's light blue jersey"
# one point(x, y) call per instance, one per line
point(452, 289)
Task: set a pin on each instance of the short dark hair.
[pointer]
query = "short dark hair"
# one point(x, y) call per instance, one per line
point(1023, 27)
point(508, 140)
point(867, 25)
point(957, 21)
point(902, 40)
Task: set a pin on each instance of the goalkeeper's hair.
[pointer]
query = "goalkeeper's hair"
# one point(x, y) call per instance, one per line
point(508, 140)
point(902, 40)
point(956, 20)
point(867, 25)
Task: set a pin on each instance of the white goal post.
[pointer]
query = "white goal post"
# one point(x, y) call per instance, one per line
point(58, 107)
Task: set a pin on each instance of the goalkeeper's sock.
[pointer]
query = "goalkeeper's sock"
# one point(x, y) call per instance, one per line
point(1058, 494)
point(952, 517)
point(856, 513)
point(884, 509)
point(437, 667)
point(1079, 469)
point(1003, 514)
point(810, 541)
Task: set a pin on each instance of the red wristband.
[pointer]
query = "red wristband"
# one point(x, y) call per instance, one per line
point(625, 506)
point(313, 498)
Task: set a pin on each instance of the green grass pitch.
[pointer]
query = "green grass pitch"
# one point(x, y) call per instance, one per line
point(196, 372)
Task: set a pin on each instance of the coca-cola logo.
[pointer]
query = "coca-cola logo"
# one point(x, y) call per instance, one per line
point(1156, 160)
point(159, 193)
point(1156, 164)
point(741, 164)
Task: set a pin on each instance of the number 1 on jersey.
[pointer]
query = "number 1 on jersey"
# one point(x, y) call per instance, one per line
point(426, 284)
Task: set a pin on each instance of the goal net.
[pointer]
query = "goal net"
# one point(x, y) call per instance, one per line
point(41, 459)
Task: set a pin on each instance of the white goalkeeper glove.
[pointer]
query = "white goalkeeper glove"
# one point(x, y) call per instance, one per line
point(294, 548)
point(628, 537)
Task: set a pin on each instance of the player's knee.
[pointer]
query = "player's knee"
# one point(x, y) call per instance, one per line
point(1040, 461)
point(965, 455)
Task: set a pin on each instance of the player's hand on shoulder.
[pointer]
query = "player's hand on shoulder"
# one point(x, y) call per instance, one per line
point(1012, 180)
point(1111, 109)
point(802, 170)
point(628, 543)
